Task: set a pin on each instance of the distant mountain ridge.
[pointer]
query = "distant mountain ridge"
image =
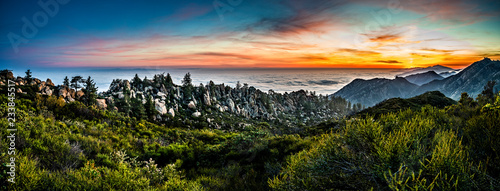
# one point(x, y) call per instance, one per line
point(471, 80)
point(437, 68)
point(423, 78)
point(370, 92)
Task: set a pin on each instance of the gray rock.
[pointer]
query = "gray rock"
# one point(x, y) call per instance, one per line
point(230, 105)
point(101, 103)
point(47, 91)
point(196, 114)
point(49, 82)
point(206, 98)
point(171, 112)
point(192, 105)
point(160, 107)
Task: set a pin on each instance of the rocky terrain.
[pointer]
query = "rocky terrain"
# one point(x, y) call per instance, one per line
point(211, 103)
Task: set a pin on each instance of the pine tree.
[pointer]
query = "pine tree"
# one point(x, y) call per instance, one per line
point(188, 86)
point(66, 81)
point(169, 82)
point(90, 91)
point(124, 104)
point(150, 108)
point(136, 82)
point(488, 93)
point(74, 82)
point(138, 109)
point(28, 77)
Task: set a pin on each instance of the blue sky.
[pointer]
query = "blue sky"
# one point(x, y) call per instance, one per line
point(244, 33)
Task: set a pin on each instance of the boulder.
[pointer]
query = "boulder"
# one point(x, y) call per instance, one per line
point(110, 100)
point(120, 95)
point(48, 82)
point(41, 86)
point(47, 91)
point(101, 103)
point(206, 98)
point(132, 94)
point(192, 105)
point(71, 93)
point(162, 95)
point(127, 83)
point(196, 114)
point(171, 112)
point(230, 105)
point(160, 106)
point(79, 94)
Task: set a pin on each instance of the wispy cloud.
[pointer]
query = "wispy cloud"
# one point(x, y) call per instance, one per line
point(389, 61)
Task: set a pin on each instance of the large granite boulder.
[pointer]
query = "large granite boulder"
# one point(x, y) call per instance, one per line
point(101, 103)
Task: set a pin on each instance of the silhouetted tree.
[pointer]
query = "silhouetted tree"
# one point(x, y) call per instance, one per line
point(169, 82)
point(28, 77)
point(75, 80)
point(136, 82)
point(66, 81)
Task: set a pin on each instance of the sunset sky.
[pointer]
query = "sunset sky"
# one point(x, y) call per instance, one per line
point(248, 33)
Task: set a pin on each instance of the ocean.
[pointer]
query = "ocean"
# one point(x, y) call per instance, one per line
point(322, 81)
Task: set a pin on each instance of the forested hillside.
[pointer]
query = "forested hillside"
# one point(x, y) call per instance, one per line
point(62, 145)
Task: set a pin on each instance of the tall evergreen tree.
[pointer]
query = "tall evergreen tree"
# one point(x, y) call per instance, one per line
point(90, 91)
point(66, 81)
point(139, 111)
point(136, 82)
point(188, 86)
point(150, 108)
point(75, 80)
point(28, 77)
point(124, 104)
point(169, 82)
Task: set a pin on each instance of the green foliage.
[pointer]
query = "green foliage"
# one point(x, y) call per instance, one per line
point(433, 98)
point(90, 91)
point(72, 146)
point(75, 80)
point(426, 149)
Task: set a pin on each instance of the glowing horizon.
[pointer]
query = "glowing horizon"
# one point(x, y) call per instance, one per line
point(252, 34)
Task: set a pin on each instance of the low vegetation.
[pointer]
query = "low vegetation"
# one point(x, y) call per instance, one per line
point(431, 145)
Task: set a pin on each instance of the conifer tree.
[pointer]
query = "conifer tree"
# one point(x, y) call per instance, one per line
point(136, 82)
point(188, 86)
point(169, 82)
point(90, 91)
point(28, 77)
point(66, 81)
point(74, 82)
point(150, 108)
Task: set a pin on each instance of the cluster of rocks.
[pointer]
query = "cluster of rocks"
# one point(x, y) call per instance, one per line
point(243, 101)
point(46, 87)
point(172, 100)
